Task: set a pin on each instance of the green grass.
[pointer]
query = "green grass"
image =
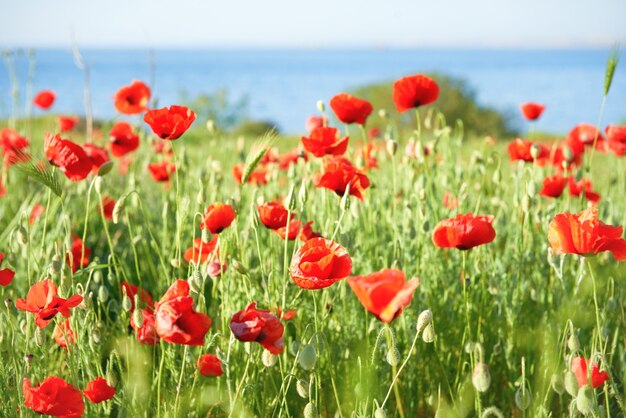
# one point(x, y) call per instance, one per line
point(521, 301)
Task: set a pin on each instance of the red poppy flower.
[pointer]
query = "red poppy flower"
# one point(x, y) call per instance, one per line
point(69, 157)
point(132, 99)
point(54, 396)
point(584, 234)
point(217, 217)
point(175, 320)
point(579, 368)
point(162, 147)
point(63, 334)
point(97, 155)
point(414, 91)
point(146, 333)
point(13, 147)
point(285, 316)
point(519, 150)
point(258, 176)
point(374, 133)
point(161, 171)
point(464, 232)
point(44, 99)
point(307, 233)
point(584, 185)
point(67, 123)
point(258, 325)
point(6, 274)
point(269, 157)
point(43, 301)
point(108, 204)
point(36, 213)
point(76, 257)
point(450, 202)
point(273, 215)
point(319, 263)
point(584, 133)
point(367, 154)
point(325, 141)
point(287, 159)
point(553, 186)
point(338, 174)
point(616, 139)
point(292, 232)
point(98, 390)
point(384, 293)
point(123, 139)
point(201, 250)
point(532, 111)
point(350, 109)
point(570, 151)
point(170, 123)
point(314, 122)
point(209, 365)
point(132, 290)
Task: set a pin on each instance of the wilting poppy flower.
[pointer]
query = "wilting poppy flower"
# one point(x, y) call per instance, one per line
point(314, 122)
point(36, 213)
point(258, 325)
point(175, 320)
point(584, 133)
point(307, 233)
point(553, 186)
point(170, 123)
point(520, 150)
point(200, 250)
point(54, 396)
point(161, 171)
point(532, 111)
point(292, 232)
point(338, 174)
point(384, 293)
point(63, 334)
point(98, 390)
point(43, 301)
point(217, 217)
point(319, 263)
point(258, 176)
point(44, 99)
point(13, 147)
point(582, 186)
point(132, 290)
point(325, 141)
point(67, 123)
point(146, 333)
point(584, 234)
point(273, 215)
point(77, 257)
point(464, 231)
point(123, 139)
point(132, 99)
point(6, 274)
point(414, 91)
point(97, 155)
point(350, 109)
point(108, 204)
point(209, 365)
point(616, 139)
point(69, 157)
point(579, 368)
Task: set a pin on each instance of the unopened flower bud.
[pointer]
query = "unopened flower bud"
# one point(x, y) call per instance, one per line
point(525, 203)
point(98, 185)
point(570, 383)
point(522, 398)
point(206, 236)
point(424, 319)
point(105, 168)
point(118, 208)
point(268, 358)
point(239, 268)
point(310, 410)
point(40, 337)
point(210, 125)
point(176, 263)
point(535, 151)
point(531, 189)
point(22, 235)
point(138, 318)
point(568, 154)
point(481, 379)
point(380, 413)
point(127, 304)
point(393, 356)
point(557, 383)
point(428, 336)
point(196, 281)
point(302, 387)
point(290, 200)
point(585, 400)
point(382, 113)
point(320, 106)
point(302, 195)
point(345, 199)
point(572, 343)
point(103, 294)
point(308, 357)
point(392, 147)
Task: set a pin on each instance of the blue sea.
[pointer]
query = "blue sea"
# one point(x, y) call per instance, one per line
point(283, 86)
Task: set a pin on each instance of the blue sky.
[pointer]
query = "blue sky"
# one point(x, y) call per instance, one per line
point(318, 24)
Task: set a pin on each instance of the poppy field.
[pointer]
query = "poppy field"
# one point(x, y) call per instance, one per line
point(151, 266)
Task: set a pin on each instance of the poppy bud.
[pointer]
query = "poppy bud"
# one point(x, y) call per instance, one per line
point(496, 177)
point(308, 357)
point(535, 151)
point(428, 336)
point(196, 281)
point(525, 203)
point(103, 294)
point(8, 303)
point(290, 200)
point(98, 184)
point(302, 387)
point(28, 358)
point(302, 195)
point(568, 154)
point(210, 125)
point(138, 318)
point(239, 268)
point(481, 379)
point(392, 147)
point(557, 383)
point(382, 113)
point(175, 262)
point(492, 411)
point(380, 413)
point(320, 106)
point(572, 343)
point(522, 398)
point(23, 326)
point(40, 337)
point(127, 304)
point(393, 356)
point(22, 235)
point(571, 383)
point(117, 209)
point(105, 168)
point(96, 335)
point(345, 199)
point(531, 189)
point(206, 236)
point(585, 400)
point(424, 319)
point(310, 410)
point(268, 358)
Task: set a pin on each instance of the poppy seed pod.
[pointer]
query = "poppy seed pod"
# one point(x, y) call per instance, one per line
point(424, 319)
point(522, 398)
point(307, 357)
point(310, 410)
point(268, 358)
point(428, 336)
point(481, 379)
point(302, 387)
point(585, 400)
